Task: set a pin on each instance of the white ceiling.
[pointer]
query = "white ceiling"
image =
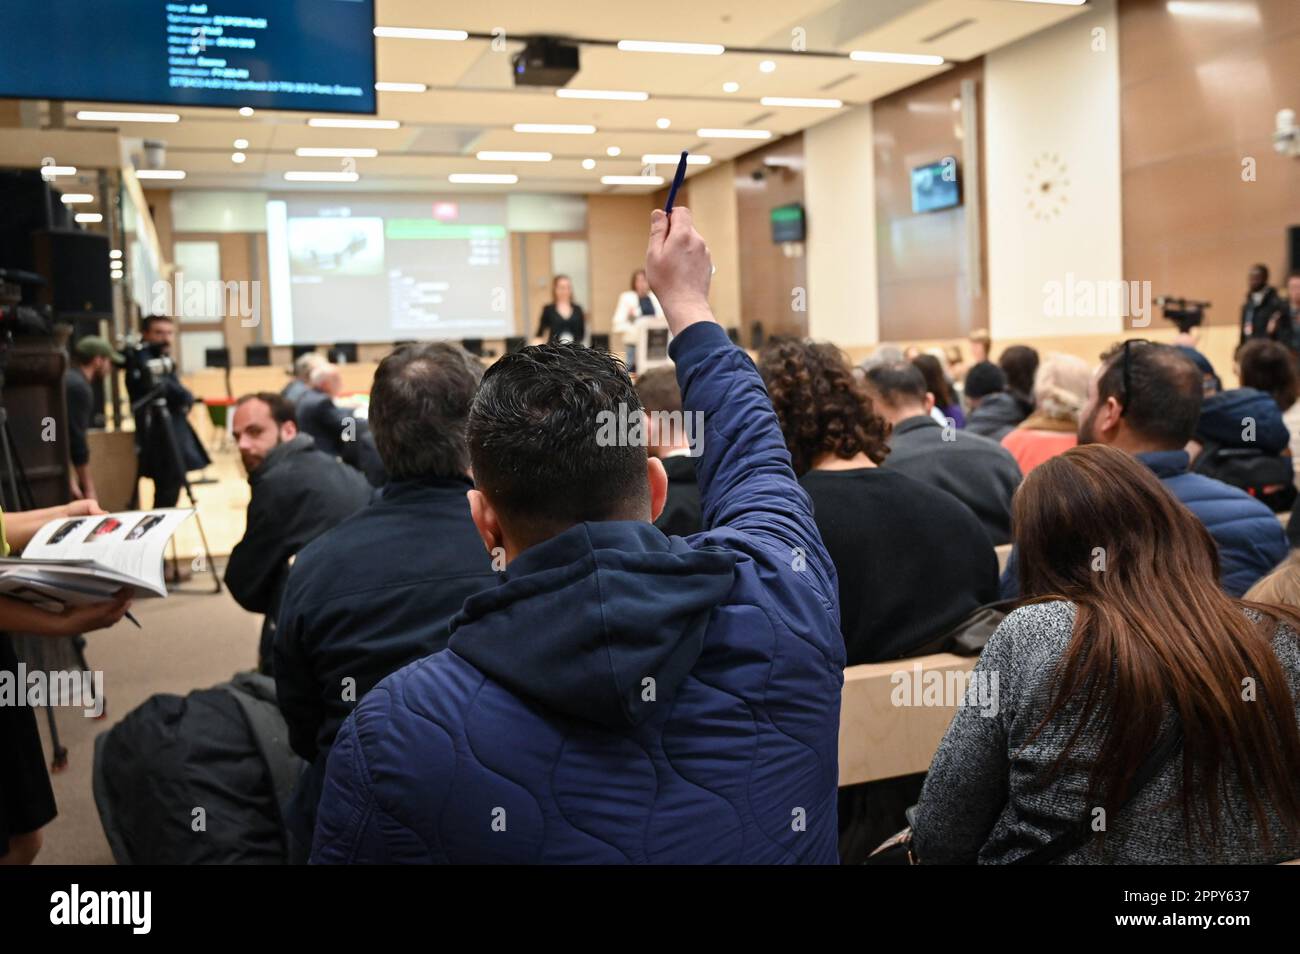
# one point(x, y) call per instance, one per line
point(471, 103)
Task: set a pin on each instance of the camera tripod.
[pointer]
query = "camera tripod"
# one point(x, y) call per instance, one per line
point(157, 414)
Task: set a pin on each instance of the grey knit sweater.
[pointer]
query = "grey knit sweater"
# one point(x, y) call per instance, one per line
point(982, 800)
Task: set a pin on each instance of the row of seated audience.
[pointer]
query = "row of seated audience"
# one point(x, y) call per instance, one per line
point(515, 665)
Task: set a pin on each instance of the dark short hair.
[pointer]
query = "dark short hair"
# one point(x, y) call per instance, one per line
point(150, 320)
point(1262, 268)
point(1163, 401)
point(984, 378)
point(535, 440)
point(1270, 367)
point(897, 382)
point(281, 408)
point(419, 404)
point(822, 408)
point(1019, 363)
point(658, 389)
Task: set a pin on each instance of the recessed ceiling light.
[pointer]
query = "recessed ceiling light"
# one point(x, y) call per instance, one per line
point(619, 94)
point(656, 46)
point(105, 116)
point(237, 158)
point(571, 129)
point(241, 143)
point(321, 177)
point(331, 152)
point(159, 174)
point(730, 86)
point(733, 134)
point(915, 59)
point(418, 33)
point(76, 198)
point(89, 217)
point(482, 178)
point(115, 253)
point(613, 152)
point(663, 122)
point(53, 172)
point(589, 163)
point(330, 122)
point(493, 155)
point(799, 101)
point(694, 159)
point(767, 66)
point(246, 110)
point(632, 180)
point(401, 87)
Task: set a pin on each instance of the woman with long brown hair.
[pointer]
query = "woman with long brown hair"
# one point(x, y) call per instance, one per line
point(1137, 714)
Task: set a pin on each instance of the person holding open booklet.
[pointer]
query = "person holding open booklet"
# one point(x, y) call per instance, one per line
point(26, 798)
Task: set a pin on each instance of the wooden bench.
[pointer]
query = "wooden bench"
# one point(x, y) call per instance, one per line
point(1004, 554)
point(879, 739)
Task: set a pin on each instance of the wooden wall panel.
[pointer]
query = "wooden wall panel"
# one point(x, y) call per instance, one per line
point(922, 267)
point(1198, 97)
point(768, 275)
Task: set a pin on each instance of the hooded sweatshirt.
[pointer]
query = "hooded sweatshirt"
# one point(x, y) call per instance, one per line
point(621, 695)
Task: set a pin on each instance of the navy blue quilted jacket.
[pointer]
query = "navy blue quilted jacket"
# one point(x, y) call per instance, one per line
point(623, 696)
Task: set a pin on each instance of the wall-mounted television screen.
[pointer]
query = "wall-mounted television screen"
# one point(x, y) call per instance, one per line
point(788, 223)
point(936, 186)
point(310, 55)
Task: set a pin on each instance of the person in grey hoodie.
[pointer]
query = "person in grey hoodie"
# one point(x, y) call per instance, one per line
point(995, 412)
point(1116, 696)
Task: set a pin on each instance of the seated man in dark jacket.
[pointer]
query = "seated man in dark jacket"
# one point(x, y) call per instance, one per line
point(979, 472)
point(1145, 399)
point(298, 494)
point(995, 411)
point(620, 696)
point(337, 431)
point(660, 396)
point(378, 590)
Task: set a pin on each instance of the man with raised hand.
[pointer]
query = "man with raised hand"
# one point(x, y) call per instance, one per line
point(619, 696)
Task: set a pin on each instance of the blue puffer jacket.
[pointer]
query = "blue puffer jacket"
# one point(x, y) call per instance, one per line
point(1250, 538)
point(1224, 416)
point(623, 696)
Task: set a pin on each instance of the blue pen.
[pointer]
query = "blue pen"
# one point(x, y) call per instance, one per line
point(677, 183)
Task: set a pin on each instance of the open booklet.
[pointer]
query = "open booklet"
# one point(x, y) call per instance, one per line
point(78, 560)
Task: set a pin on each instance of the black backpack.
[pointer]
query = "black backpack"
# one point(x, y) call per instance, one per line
point(1266, 477)
point(223, 750)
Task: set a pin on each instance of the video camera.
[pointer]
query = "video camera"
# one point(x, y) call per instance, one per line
point(18, 320)
point(1186, 313)
point(144, 364)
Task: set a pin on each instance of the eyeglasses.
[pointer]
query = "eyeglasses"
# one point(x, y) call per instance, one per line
point(1129, 344)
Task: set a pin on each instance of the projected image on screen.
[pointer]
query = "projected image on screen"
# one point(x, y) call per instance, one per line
point(320, 247)
point(387, 268)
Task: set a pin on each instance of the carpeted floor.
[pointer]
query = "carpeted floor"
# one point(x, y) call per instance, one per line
point(192, 639)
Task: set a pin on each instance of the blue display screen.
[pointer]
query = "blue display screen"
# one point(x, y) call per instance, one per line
point(936, 186)
point(310, 55)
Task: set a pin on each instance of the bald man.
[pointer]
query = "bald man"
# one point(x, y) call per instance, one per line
point(337, 430)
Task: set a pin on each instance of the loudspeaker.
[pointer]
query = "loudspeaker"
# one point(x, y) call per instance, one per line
point(300, 350)
point(257, 356)
point(1293, 246)
point(473, 345)
point(600, 342)
point(216, 357)
point(75, 267)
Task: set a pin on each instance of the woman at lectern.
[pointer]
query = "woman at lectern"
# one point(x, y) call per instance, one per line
point(634, 304)
point(562, 320)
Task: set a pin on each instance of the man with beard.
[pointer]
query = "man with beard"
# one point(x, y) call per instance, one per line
point(298, 493)
point(1145, 400)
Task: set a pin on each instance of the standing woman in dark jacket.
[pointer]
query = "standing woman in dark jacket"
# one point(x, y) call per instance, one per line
point(1128, 650)
point(562, 321)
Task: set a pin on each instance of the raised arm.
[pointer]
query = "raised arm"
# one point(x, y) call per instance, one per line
point(746, 481)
